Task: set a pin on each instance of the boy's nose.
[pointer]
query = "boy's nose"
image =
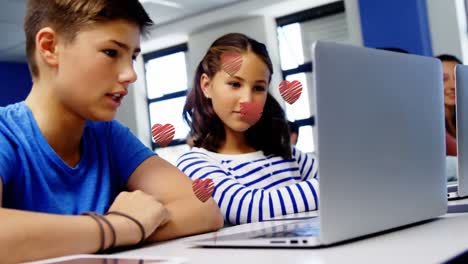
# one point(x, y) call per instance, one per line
point(128, 75)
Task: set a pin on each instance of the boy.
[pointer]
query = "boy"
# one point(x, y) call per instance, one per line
point(61, 154)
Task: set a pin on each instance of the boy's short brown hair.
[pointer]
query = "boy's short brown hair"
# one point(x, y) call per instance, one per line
point(68, 17)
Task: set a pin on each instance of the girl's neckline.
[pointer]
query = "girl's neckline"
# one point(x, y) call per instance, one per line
point(230, 156)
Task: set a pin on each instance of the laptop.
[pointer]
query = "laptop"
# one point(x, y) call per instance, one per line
point(380, 147)
point(459, 188)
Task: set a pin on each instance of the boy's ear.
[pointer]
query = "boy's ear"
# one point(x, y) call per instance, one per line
point(205, 83)
point(46, 45)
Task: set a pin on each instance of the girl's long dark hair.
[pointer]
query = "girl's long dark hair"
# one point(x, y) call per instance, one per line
point(270, 134)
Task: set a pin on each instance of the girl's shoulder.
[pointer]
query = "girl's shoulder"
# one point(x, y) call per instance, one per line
point(195, 155)
point(299, 155)
point(218, 158)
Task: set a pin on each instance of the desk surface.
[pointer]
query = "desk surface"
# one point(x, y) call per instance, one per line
point(432, 242)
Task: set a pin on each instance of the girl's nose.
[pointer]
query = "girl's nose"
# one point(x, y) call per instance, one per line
point(247, 95)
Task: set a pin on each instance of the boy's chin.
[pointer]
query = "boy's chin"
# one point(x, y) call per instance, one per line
point(103, 117)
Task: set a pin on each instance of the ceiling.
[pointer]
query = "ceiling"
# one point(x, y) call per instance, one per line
point(12, 45)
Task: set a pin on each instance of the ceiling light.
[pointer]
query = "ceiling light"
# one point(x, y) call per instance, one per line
point(163, 2)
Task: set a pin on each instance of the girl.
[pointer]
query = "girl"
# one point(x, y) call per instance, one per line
point(448, 63)
point(256, 172)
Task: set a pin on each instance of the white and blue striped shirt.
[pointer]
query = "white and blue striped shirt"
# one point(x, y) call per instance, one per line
point(253, 187)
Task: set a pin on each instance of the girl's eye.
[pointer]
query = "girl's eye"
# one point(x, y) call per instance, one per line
point(111, 53)
point(259, 88)
point(234, 84)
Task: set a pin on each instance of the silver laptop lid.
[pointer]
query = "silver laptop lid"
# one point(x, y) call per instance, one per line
point(380, 139)
point(461, 91)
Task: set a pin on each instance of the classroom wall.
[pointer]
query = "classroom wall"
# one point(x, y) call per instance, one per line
point(447, 20)
point(421, 26)
point(354, 22)
point(16, 82)
point(133, 112)
point(396, 23)
point(126, 112)
point(180, 31)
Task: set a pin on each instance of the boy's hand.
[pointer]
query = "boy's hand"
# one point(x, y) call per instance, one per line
point(141, 206)
point(203, 189)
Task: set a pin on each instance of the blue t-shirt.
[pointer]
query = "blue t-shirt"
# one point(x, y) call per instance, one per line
point(35, 178)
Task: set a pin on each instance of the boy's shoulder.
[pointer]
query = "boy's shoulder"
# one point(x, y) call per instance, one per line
point(109, 131)
point(194, 155)
point(14, 116)
point(13, 110)
point(15, 122)
point(217, 158)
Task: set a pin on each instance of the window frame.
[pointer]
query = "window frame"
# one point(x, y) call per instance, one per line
point(155, 55)
point(304, 16)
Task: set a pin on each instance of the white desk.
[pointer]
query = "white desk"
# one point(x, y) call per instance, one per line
point(432, 242)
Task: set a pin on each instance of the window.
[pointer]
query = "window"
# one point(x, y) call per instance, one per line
point(296, 33)
point(166, 84)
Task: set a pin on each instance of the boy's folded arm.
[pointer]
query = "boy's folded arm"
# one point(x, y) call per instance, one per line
point(171, 187)
point(26, 236)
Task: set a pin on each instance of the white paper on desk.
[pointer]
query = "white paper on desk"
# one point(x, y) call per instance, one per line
point(111, 259)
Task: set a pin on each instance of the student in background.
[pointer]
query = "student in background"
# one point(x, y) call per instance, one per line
point(449, 62)
point(257, 173)
point(62, 154)
point(293, 132)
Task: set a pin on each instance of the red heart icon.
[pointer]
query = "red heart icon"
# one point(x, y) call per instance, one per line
point(231, 62)
point(251, 112)
point(163, 134)
point(203, 189)
point(290, 91)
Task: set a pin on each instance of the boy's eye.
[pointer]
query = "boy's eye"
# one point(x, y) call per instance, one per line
point(111, 53)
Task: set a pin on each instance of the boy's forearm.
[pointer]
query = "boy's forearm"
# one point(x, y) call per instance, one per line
point(189, 217)
point(28, 236)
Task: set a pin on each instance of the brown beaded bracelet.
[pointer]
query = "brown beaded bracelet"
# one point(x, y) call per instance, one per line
point(142, 229)
point(101, 229)
point(111, 227)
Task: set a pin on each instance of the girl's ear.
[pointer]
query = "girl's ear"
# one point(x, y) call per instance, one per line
point(205, 85)
point(46, 46)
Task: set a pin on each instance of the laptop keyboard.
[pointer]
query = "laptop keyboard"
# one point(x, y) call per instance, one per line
point(303, 229)
point(452, 188)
